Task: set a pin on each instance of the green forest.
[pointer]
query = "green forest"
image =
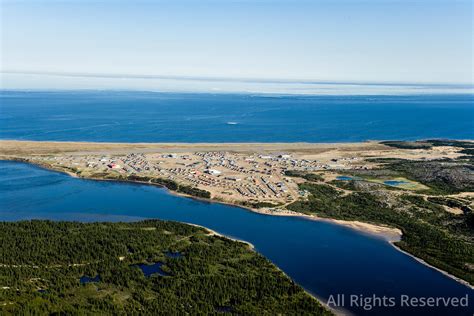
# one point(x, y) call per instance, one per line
point(442, 239)
point(42, 262)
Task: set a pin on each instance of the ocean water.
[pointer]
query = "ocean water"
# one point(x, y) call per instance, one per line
point(107, 116)
point(326, 259)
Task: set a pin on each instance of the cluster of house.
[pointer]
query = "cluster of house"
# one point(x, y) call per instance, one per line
point(259, 176)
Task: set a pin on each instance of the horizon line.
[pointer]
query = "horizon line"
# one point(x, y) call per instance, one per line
point(236, 79)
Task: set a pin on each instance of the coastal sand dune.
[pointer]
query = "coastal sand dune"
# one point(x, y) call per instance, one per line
point(49, 147)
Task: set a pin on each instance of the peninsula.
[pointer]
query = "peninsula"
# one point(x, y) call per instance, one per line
point(423, 189)
point(150, 267)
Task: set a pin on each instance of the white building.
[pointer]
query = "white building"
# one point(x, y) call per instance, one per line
point(213, 172)
point(174, 156)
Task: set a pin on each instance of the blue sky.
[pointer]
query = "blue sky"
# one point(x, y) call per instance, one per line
point(359, 40)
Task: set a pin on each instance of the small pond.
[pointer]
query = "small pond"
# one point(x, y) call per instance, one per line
point(149, 269)
point(395, 183)
point(346, 178)
point(86, 279)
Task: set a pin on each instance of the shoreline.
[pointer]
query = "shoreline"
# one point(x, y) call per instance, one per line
point(423, 262)
point(320, 300)
point(212, 232)
point(31, 147)
point(236, 144)
point(389, 234)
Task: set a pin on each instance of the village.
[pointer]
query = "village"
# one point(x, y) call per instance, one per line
point(228, 176)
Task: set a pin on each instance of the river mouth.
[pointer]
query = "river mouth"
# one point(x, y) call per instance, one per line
point(326, 259)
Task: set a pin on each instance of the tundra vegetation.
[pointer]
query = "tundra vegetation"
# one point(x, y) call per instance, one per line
point(437, 222)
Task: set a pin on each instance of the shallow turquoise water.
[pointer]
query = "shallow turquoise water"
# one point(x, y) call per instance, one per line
point(394, 183)
point(345, 178)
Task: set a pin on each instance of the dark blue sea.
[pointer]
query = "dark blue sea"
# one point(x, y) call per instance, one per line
point(324, 258)
point(106, 116)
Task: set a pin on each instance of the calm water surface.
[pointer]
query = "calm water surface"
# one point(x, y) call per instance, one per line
point(324, 258)
point(150, 269)
point(167, 117)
